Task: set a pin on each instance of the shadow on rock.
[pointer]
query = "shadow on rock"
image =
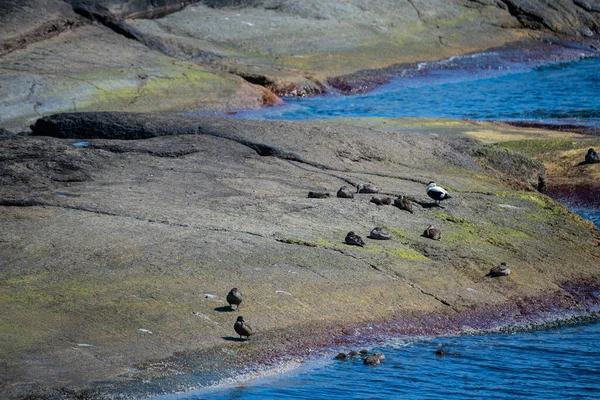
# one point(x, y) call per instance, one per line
point(234, 339)
point(225, 309)
point(431, 205)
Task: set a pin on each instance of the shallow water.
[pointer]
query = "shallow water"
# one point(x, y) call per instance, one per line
point(552, 364)
point(474, 87)
point(592, 215)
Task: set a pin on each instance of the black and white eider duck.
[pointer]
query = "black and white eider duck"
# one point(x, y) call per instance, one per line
point(437, 193)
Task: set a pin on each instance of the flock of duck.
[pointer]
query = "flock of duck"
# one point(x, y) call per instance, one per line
point(437, 193)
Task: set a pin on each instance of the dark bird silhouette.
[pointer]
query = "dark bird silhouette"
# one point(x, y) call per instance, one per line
point(376, 200)
point(242, 328)
point(380, 234)
point(499, 270)
point(366, 188)
point(318, 195)
point(592, 157)
point(384, 201)
point(432, 233)
point(345, 192)
point(404, 203)
point(437, 193)
point(355, 240)
point(234, 297)
point(341, 356)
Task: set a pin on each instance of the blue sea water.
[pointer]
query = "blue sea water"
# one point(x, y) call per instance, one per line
point(547, 364)
point(552, 364)
point(565, 92)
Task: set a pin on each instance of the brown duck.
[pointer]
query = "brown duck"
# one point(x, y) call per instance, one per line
point(432, 233)
point(234, 297)
point(404, 203)
point(499, 270)
point(242, 328)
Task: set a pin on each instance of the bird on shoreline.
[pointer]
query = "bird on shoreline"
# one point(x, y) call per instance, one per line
point(366, 188)
point(499, 270)
point(384, 201)
point(437, 193)
point(380, 234)
point(242, 328)
point(345, 193)
point(234, 297)
point(432, 233)
point(318, 195)
point(355, 240)
point(404, 203)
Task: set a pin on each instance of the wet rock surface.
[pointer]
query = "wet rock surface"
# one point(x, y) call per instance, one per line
point(121, 252)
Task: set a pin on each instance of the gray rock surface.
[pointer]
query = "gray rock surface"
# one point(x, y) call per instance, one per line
point(121, 252)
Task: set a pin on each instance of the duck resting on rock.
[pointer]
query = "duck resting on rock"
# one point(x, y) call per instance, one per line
point(345, 193)
point(403, 203)
point(432, 233)
point(366, 188)
point(499, 270)
point(380, 234)
point(354, 240)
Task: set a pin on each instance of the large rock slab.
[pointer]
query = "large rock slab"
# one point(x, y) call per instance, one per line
point(24, 22)
point(117, 254)
point(93, 68)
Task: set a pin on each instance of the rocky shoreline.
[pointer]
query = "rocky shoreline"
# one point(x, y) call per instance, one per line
point(124, 223)
point(121, 251)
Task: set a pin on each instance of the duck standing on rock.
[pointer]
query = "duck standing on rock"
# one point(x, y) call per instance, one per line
point(404, 203)
point(380, 234)
point(345, 193)
point(355, 240)
point(366, 188)
point(242, 328)
point(433, 233)
point(234, 297)
point(437, 193)
point(499, 270)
